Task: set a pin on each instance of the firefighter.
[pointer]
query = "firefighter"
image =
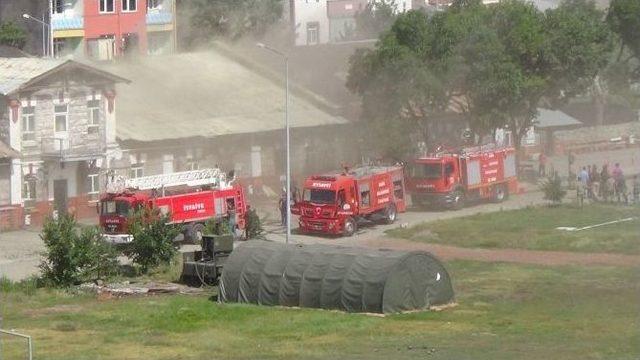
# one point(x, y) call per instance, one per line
point(282, 206)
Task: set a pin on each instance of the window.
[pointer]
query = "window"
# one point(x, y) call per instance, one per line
point(427, 171)
point(192, 165)
point(365, 195)
point(136, 172)
point(129, 5)
point(154, 4)
point(28, 123)
point(319, 196)
point(398, 189)
point(94, 183)
point(61, 117)
point(29, 190)
point(111, 207)
point(106, 6)
point(93, 107)
point(313, 30)
point(58, 6)
point(448, 169)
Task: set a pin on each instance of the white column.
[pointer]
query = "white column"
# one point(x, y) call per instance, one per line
point(15, 141)
point(110, 123)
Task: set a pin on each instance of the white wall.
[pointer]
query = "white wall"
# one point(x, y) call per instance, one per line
point(307, 11)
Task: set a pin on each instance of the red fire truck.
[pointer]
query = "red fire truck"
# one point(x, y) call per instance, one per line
point(190, 198)
point(452, 178)
point(333, 203)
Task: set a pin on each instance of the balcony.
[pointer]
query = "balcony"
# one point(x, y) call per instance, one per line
point(66, 150)
point(67, 22)
point(159, 17)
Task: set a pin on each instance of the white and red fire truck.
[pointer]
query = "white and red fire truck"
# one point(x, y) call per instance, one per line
point(189, 198)
point(452, 178)
point(334, 203)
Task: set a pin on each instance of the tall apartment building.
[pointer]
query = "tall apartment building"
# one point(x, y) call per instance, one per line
point(329, 21)
point(104, 29)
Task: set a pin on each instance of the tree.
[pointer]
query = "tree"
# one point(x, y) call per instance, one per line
point(204, 20)
point(11, 35)
point(73, 256)
point(525, 59)
point(623, 19)
point(410, 77)
point(374, 19)
point(153, 239)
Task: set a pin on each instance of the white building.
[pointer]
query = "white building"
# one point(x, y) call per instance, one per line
point(328, 21)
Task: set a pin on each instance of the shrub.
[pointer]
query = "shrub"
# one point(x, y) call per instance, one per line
point(553, 190)
point(217, 227)
point(152, 243)
point(254, 225)
point(73, 256)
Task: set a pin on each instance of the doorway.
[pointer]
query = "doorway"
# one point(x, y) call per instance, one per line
point(60, 196)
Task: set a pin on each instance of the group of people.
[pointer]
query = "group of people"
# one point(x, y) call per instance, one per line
point(604, 184)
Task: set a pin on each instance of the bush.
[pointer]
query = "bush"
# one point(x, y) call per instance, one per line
point(553, 190)
point(217, 227)
point(74, 257)
point(152, 243)
point(254, 225)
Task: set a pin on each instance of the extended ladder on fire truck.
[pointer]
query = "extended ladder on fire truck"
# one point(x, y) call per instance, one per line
point(204, 177)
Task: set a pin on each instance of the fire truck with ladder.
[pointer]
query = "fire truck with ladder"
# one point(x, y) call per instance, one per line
point(335, 203)
point(189, 198)
point(452, 178)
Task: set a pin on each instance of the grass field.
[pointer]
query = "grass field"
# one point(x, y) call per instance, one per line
point(535, 229)
point(504, 311)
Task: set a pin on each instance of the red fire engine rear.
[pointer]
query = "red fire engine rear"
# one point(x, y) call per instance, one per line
point(189, 198)
point(335, 203)
point(453, 178)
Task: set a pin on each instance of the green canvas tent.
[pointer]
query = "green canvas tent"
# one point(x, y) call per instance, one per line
point(334, 277)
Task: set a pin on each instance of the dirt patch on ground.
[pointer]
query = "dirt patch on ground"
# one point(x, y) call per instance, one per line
point(549, 258)
point(70, 309)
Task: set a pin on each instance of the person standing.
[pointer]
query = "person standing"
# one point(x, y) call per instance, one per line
point(595, 181)
point(636, 189)
point(604, 182)
point(282, 206)
point(620, 187)
point(542, 164)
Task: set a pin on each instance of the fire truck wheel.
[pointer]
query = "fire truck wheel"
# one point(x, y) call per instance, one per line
point(195, 235)
point(350, 227)
point(499, 193)
point(390, 214)
point(457, 200)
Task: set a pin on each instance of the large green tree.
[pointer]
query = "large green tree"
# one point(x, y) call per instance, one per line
point(497, 65)
point(12, 35)
point(410, 77)
point(525, 59)
point(623, 18)
point(204, 20)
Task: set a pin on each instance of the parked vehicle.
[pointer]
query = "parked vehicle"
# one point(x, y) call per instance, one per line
point(454, 178)
point(189, 198)
point(335, 203)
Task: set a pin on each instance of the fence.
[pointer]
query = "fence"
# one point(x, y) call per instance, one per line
point(16, 335)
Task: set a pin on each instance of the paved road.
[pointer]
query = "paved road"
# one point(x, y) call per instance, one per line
point(409, 218)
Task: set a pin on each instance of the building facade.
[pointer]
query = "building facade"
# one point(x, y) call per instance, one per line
point(329, 21)
point(60, 117)
point(105, 29)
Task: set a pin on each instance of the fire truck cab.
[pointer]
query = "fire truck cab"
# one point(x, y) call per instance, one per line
point(334, 203)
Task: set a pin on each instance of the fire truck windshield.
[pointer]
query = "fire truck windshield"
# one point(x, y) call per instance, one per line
point(319, 196)
point(112, 207)
point(426, 171)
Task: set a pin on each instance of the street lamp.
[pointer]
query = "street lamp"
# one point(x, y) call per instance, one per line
point(44, 24)
point(286, 126)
